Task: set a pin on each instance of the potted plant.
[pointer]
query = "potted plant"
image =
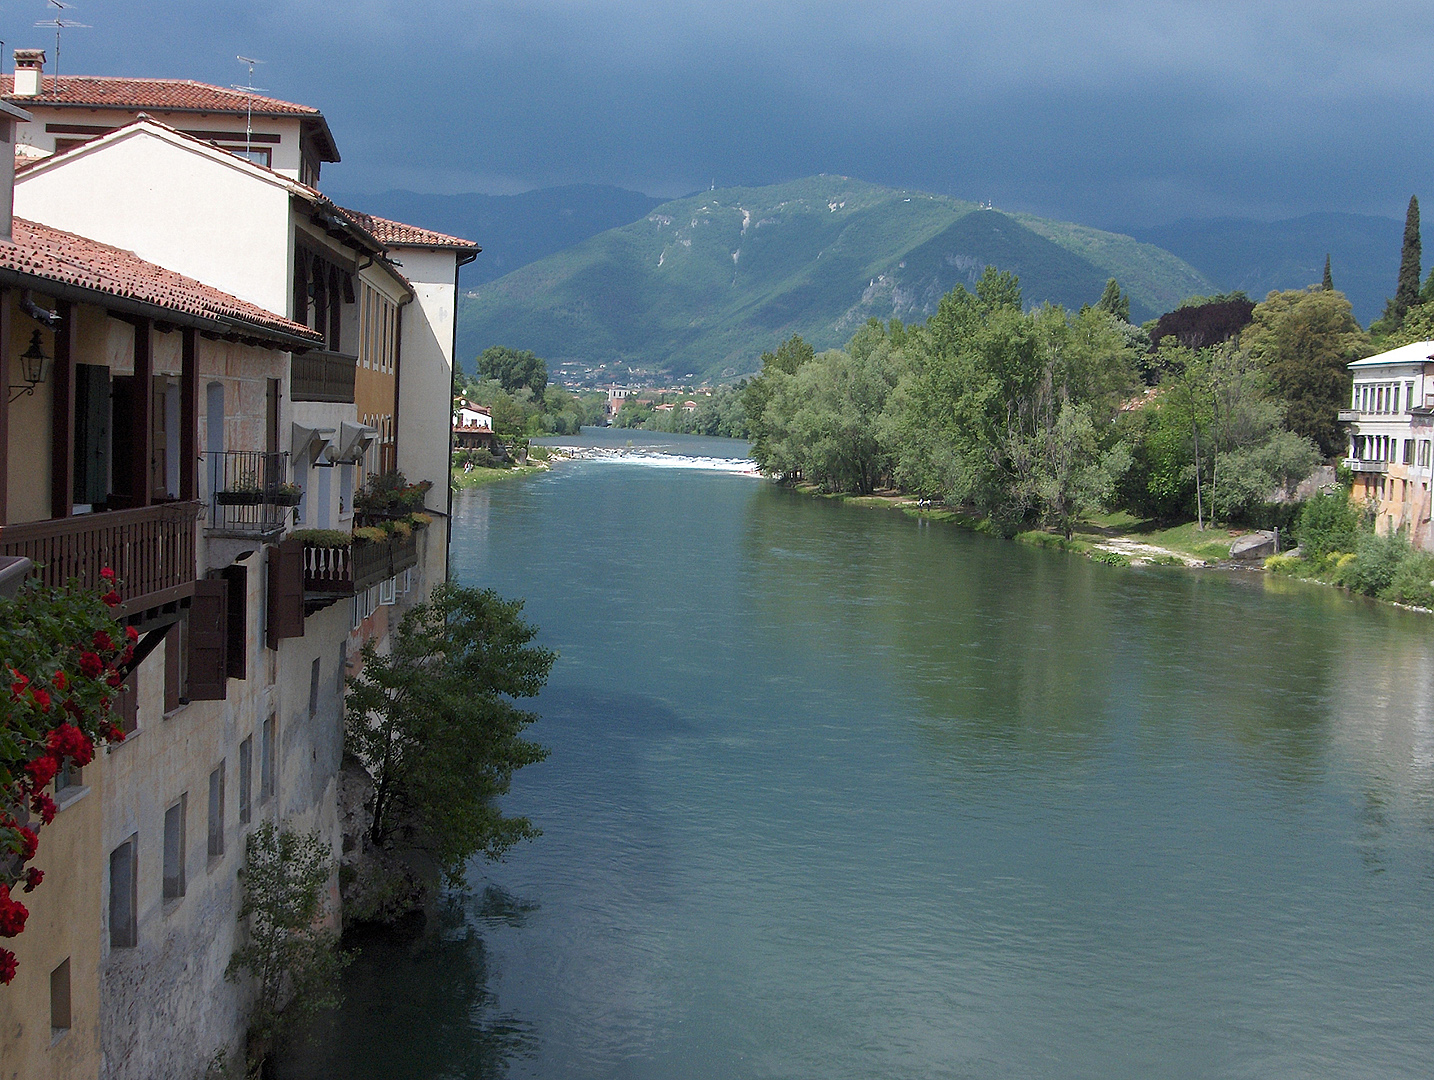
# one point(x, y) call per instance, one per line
point(284, 495)
point(242, 492)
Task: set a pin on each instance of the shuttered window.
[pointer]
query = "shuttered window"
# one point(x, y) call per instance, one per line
point(286, 591)
point(123, 929)
point(237, 577)
point(209, 640)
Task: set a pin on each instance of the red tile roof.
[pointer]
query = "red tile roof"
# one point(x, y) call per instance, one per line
point(393, 233)
point(48, 254)
point(107, 91)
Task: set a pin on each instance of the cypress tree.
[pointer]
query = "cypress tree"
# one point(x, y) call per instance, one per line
point(1406, 294)
point(1328, 277)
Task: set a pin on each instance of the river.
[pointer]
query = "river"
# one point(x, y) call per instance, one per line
point(838, 794)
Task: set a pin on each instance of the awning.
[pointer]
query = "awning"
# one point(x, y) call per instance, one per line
point(354, 441)
point(310, 444)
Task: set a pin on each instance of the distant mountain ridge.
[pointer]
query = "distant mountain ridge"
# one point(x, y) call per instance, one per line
point(704, 284)
point(1257, 256)
point(513, 230)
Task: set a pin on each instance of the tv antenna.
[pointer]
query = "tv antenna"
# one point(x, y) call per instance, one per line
point(250, 89)
point(60, 23)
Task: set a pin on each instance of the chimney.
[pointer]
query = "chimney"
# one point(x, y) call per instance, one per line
point(29, 63)
point(9, 117)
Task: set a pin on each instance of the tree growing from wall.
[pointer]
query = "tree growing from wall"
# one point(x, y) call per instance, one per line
point(435, 723)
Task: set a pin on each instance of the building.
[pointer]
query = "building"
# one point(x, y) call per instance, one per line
point(234, 357)
point(473, 427)
point(1391, 428)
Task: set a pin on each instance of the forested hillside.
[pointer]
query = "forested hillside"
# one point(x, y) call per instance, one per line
point(702, 286)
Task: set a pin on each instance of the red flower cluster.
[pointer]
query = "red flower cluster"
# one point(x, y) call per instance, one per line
point(69, 741)
point(7, 966)
point(12, 914)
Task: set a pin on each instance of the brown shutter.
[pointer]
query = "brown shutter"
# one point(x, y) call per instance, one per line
point(286, 591)
point(238, 623)
point(208, 640)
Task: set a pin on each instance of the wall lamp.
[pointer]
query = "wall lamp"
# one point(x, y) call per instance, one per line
point(33, 364)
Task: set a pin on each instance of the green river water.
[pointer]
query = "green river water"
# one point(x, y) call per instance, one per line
point(837, 794)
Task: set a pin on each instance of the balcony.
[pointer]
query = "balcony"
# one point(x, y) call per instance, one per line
point(1347, 416)
point(1360, 466)
point(323, 376)
point(249, 493)
point(332, 573)
point(150, 549)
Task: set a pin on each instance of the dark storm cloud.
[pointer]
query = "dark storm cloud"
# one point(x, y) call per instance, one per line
point(1112, 113)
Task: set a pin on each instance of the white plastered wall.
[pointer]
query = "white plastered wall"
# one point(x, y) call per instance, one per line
point(189, 208)
point(425, 374)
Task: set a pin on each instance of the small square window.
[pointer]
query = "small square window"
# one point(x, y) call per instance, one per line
point(60, 999)
point(216, 812)
point(246, 779)
point(266, 760)
point(123, 928)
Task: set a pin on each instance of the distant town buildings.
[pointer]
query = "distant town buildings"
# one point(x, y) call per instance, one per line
point(227, 362)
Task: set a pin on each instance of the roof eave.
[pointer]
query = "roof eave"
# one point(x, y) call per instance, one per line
point(224, 325)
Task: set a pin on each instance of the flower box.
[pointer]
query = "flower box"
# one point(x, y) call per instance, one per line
point(283, 498)
point(239, 498)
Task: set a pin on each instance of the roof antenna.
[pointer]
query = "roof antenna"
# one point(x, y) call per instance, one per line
point(250, 90)
point(60, 24)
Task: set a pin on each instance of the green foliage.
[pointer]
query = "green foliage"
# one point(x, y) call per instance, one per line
point(1305, 341)
point(1327, 522)
point(554, 411)
point(1413, 580)
point(433, 721)
point(513, 369)
point(288, 949)
point(1110, 558)
point(720, 413)
point(1376, 562)
point(323, 537)
point(1406, 289)
point(1113, 302)
point(391, 493)
point(1327, 283)
point(815, 257)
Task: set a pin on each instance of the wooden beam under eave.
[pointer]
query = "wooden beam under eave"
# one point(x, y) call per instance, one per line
point(139, 464)
point(6, 297)
point(62, 414)
point(189, 415)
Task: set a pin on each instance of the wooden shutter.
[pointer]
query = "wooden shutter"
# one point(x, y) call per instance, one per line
point(286, 591)
point(126, 440)
point(238, 620)
point(92, 432)
point(209, 640)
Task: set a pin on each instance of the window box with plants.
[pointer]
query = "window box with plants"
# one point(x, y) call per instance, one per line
point(242, 493)
point(284, 495)
point(390, 495)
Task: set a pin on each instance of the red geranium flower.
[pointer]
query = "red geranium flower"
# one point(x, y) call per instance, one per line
point(7, 966)
point(103, 641)
point(12, 914)
point(29, 842)
point(131, 633)
point(43, 805)
point(18, 686)
point(106, 574)
point(61, 681)
point(42, 770)
point(111, 598)
point(91, 665)
point(116, 679)
point(115, 733)
point(33, 877)
point(40, 698)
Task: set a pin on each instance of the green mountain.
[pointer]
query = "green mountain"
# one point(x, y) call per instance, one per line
point(703, 285)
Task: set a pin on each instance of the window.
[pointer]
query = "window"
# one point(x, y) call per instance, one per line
point(123, 931)
point(174, 849)
point(314, 689)
point(388, 592)
point(346, 489)
point(1408, 451)
point(246, 779)
point(266, 760)
point(69, 776)
point(60, 999)
point(216, 812)
point(174, 650)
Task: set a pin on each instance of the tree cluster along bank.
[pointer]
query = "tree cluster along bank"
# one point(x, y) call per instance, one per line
point(1037, 419)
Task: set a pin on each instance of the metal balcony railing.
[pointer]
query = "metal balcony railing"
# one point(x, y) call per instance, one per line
point(323, 376)
point(1359, 465)
point(246, 492)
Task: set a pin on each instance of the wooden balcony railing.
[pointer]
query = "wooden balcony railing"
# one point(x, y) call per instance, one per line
point(323, 376)
point(151, 549)
point(331, 572)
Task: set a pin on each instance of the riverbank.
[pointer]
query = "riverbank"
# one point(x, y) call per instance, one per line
point(1119, 538)
point(475, 477)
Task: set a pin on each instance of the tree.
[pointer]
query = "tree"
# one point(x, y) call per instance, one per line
point(776, 367)
point(1328, 283)
point(1197, 325)
point(514, 369)
point(1406, 289)
point(433, 721)
point(1305, 339)
point(288, 950)
point(1112, 302)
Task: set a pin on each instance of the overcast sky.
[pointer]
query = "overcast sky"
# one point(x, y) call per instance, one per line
point(1108, 112)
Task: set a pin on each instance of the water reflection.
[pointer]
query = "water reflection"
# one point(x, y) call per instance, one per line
point(423, 1008)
